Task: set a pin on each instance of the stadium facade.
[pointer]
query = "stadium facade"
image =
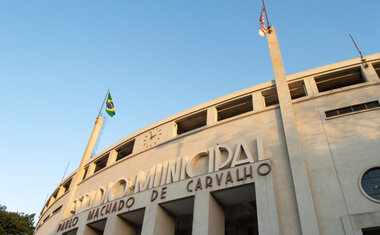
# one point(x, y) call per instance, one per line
point(298, 156)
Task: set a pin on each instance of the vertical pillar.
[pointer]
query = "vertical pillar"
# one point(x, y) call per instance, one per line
point(77, 178)
point(117, 226)
point(212, 116)
point(311, 86)
point(157, 221)
point(266, 205)
point(208, 216)
point(112, 157)
point(305, 204)
point(369, 73)
point(257, 100)
point(91, 169)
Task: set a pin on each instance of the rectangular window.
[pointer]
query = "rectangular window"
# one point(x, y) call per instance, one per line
point(67, 185)
point(85, 173)
point(339, 79)
point(270, 97)
point(297, 89)
point(191, 122)
point(125, 150)
point(371, 231)
point(101, 163)
point(57, 210)
point(234, 108)
point(377, 69)
point(352, 109)
point(55, 194)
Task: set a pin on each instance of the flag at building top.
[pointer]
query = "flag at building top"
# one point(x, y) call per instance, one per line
point(262, 29)
point(110, 109)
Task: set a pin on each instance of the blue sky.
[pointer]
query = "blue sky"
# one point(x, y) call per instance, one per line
point(58, 58)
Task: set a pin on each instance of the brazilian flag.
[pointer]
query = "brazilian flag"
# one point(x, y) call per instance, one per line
point(110, 109)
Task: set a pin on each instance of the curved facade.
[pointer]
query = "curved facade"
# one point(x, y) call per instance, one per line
point(227, 166)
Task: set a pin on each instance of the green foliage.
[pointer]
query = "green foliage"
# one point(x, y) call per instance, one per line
point(15, 223)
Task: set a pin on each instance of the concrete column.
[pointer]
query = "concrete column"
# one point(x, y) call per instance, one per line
point(212, 116)
point(77, 178)
point(112, 157)
point(157, 221)
point(369, 73)
point(257, 99)
point(305, 203)
point(310, 86)
point(208, 217)
point(91, 169)
point(117, 226)
point(266, 205)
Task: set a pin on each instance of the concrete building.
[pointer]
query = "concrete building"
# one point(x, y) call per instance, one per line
point(292, 156)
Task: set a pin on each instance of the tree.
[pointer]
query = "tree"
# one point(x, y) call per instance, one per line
point(15, 222)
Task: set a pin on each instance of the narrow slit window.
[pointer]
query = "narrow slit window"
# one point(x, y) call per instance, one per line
point(191, 122)
point(339, 79)
point(101, 163)
point(125, 150)
point(235, 108)
point(270, 97)
point(352, 109)
point(57, 210)
point(297, 89)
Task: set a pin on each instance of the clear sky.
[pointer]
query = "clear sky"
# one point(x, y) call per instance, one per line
point(58, 58)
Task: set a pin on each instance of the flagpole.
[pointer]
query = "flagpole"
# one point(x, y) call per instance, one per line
point(266, 15)
point(103, 103)
point(360, 52)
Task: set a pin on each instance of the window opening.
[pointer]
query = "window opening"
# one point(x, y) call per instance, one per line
point(371, 183)
point(191, 122)
point(101, 163)
point(96, 228)
point(57, 210)
point(71, 232)
point(85, 173)
point(234, 108)
point(377, 69)
point(125, 150)
point(240, 210)
point(133, 220)
point(352, 109)
point(270, 97)
point(371, 231)
point(67, 185)
point(339, 79)
point(297, 89)
point(181, 212)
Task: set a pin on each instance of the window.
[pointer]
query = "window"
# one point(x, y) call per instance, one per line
point(46, 218)
point(125, 150)
point(67, 185)
point(57, 210)
point(101, 163)
point(352, 109)
point(297, 89)
point(234, 108)
point(55, 194)
point(339, 79)
point(370, 183)
point(377, 69)
point(371, 231)
point(85, 173)
point(191, 122)
point(270, 97)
